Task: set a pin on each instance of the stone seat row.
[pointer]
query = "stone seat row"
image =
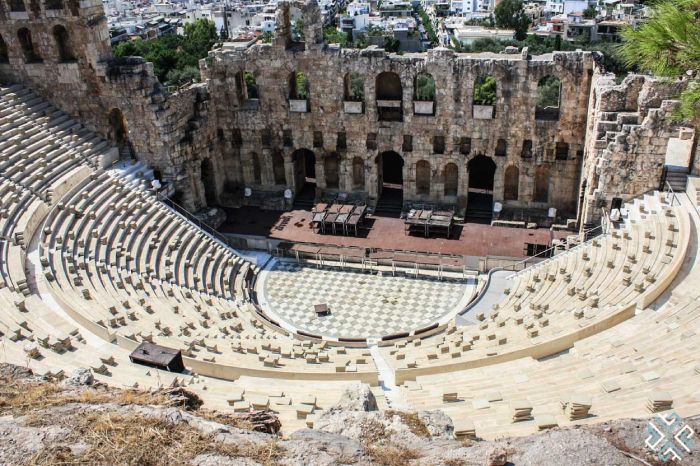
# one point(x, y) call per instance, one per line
point(538, 311)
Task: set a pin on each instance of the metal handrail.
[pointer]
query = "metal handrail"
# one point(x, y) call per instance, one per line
point(528, 259)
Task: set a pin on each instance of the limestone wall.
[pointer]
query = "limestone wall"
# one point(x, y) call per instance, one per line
point(88, 83)
point(629, 127)
point(244, 125)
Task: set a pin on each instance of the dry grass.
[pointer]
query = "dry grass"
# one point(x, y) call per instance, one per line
point(226, 419)
point(390, 455)
point(108, 438)
point(377, 443)
point(22, 397)
point(412, 421)
point(113, 438)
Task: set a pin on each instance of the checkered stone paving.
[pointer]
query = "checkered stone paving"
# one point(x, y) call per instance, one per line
point(361, 304)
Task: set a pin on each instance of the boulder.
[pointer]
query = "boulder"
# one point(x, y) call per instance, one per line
point(438, 423)
point(356, 397)
point(80, 377)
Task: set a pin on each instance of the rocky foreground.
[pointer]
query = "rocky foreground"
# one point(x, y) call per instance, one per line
point(78, 421)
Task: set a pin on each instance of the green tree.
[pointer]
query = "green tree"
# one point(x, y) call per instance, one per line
point(425, 87)
point(509, 14)
point(548, 92)
point(355, 90)
point(250, 85)
point(427, 24)
point(175, 58)
point(485, 91)
point(301, 83)
point(332, 35)
point(668, 44)
point(590, 12)
point(266, 37)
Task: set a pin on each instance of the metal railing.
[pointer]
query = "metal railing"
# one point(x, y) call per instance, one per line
point(523, 264)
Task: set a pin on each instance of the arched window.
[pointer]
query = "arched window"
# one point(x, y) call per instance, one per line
point(423, 177)
point(208, 181)
point(388, 86)
point(541, 193)
point(512, 183)
point(358, 173)
point(119, 128)
point(4, 56)
point(53, 4)
point(278, 168)
point(257, 177)
point(424, 94)
point(17, 5)
point(548, 98)
point(354, 87)
point(65, 51)
point(424, 89)
point(331, 170)
point(298, 86)
point(389, 95)
point(484, 98)
point(501, 148)
point(451, 179)
point(25, 41)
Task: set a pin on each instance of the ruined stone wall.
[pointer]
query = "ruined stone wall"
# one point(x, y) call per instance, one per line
point(629, 128)
point(269, 127)
point(79, 75)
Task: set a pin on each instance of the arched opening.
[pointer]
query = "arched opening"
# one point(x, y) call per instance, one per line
point(4, 55)
point(548, 98)
point(390, 183)
point(512, 183)
point(247, 87)
point(423, 178)
point(482, 170)
point(354, 87)
point(257, 172)
point(501, 148)
point(53, 4)
point(451, 175)
point(541, 193)
point(358, 173)
point(331, 165)
point(208, 181)
point(298, 86)
point(65, 51)
point(28, 50)
point(118, 128)
point(278, 168)
point(484, 98)
point(304, 162)
point(17, 5)
point(424, 94)
point(389, 95)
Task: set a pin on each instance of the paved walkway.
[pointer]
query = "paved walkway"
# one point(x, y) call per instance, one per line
point(492, 295)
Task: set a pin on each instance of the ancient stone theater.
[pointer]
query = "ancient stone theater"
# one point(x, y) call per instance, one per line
point(306, 218)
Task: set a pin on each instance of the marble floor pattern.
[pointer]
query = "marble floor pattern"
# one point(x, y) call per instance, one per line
point(362, 305)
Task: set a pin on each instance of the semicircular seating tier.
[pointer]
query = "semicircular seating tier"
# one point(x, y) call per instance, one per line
point(92, 264)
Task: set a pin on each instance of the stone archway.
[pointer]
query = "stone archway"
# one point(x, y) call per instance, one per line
point(331, 170)
point(512, 183)
point(451, 180)
point(118, 128)
point(208, 181)
point(390, 168)
point(304, 162)
point(482, 170)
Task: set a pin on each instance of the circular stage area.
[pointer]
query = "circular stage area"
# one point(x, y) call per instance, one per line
point(361, 304)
